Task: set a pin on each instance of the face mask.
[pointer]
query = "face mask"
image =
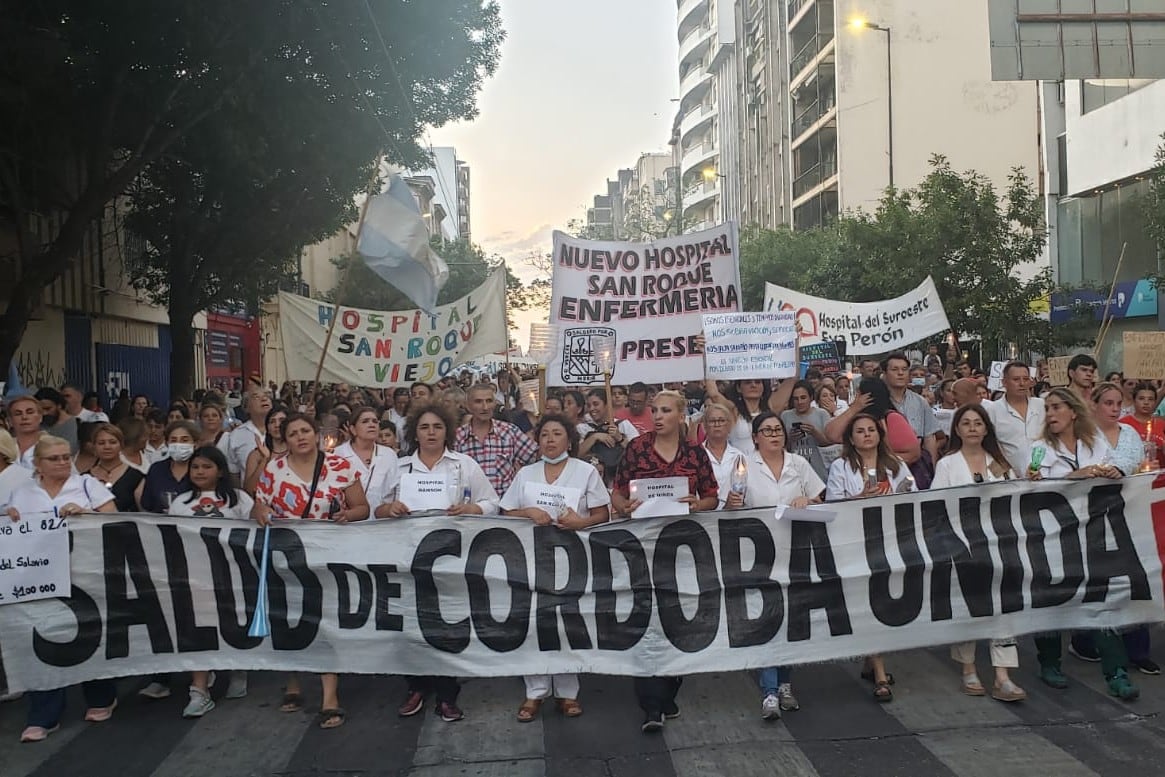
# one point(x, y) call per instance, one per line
point(181, 451)
point(50, 420)
point(557, 459)
point(918, 381)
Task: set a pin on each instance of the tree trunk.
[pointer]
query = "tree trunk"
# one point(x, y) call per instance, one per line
point(182, 349)
point(22, 302)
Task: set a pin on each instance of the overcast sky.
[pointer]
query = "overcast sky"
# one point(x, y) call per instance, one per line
point(584, 87)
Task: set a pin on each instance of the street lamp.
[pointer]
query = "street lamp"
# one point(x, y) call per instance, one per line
point(859, 24)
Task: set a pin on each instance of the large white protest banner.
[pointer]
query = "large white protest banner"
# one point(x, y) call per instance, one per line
point(386, 348)
point(482, 597)
point(867, 327)
point(649, 297)
point(749, 345)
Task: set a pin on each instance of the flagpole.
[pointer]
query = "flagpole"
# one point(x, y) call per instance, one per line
point(343, 285)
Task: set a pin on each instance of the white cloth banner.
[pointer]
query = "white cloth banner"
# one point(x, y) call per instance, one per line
point(649, 297)
point(388, 348)
point(867, 327)
point(750, 345)
point(484, 597)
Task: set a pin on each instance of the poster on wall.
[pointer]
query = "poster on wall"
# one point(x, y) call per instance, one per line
point(648, 297)
point(387, 348)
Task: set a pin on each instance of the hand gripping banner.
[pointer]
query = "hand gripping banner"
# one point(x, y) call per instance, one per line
point(474, 596)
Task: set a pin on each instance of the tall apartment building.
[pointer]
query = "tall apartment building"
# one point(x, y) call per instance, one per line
point(451, 179)
point(639, 202)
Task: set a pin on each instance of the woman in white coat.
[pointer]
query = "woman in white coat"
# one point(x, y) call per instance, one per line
point(975, 456)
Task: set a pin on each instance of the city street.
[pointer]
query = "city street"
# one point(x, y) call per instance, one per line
point(929, 729)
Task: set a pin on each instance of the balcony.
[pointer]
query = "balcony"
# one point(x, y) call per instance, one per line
point(701, 194)
point(696, 118)
point(698, 156)
point(813, 114)
point(809, 52)
point(687, 8)
point(814, 177)
point(694, 45)
point(695, 82)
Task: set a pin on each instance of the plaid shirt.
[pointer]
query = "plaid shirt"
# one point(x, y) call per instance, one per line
point(501, 453)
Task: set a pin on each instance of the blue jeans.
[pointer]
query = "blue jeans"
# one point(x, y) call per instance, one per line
point(770, 678)
point(45, 708)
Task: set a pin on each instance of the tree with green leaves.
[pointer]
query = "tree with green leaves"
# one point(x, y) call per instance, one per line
point(1155, 204)
point(106, 98)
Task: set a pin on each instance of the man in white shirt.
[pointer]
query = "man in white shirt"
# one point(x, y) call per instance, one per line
point(244, 439)
point(399, 411)
point(1017, 416)
point(74, 406)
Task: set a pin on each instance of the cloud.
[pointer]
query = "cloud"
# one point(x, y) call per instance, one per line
point(516, 246)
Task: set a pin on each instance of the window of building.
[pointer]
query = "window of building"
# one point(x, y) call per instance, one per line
point(1092, 231)
point(1098, 92)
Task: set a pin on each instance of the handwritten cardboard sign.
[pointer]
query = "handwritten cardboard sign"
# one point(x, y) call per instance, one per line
point(1144, 355)
point(1058, 370)
point(34, 558)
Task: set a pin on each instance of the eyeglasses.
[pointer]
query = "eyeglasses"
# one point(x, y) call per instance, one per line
point(61, 457)
point(716, 421)
point(771, 431)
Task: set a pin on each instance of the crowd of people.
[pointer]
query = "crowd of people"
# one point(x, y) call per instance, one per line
point(337, 453)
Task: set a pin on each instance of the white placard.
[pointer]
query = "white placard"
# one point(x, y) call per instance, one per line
point(867, 327)
point(424, 491)
point(995, 376)
point(34, 558)
point(548, 497)
point(750, 345)
point(944, 416)
point(660, 496)
point(646, 297)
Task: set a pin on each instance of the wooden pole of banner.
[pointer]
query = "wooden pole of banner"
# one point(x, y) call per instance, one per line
point(1105, 319)
point(343, 285)
point(541, 390)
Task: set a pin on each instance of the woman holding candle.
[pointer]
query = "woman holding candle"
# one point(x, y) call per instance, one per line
point(529, 496)
point(55, 488)
point(1149, 427)
point(1074, 448)
point(974, 456)
point(776, 477)
point(431, 431)
point(1128, 448)
point(867, 467)
point(308, 484)
point(726, 459)
point(661, 453)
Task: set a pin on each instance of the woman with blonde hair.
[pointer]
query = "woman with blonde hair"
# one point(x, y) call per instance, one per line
point(12, 475)
point(58, 489)
point(718, 422)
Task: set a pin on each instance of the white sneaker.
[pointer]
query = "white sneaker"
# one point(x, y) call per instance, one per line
point(788, 700)
point(237, 688)
point(200, 703)
point(155, 691)
point(770, 708)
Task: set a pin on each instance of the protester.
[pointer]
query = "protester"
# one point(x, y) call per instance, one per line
point(867, 467)
point(776, 477)
point(374, 463)
point(806, 426)
point(914, 408)
point(133, 432)
point(1148, 427)
point(308, 484)
point(573, 406)
point(111, 468)
point(431, 432)
point(499, 447)
point(139, 405)
point(1017, 416)
point(603, 438)
point(557, 444)
point(974, 455)
point(387, 435)
point(637, 413)
point(270, 446)
point(245, 439)
point(24, 416)
point(719, 418)
point(399, 410)
point(211, 419)
point(155, 449)
point(178, 411)
point(57, 489)
point(1073, 448)
point(54, 418)
point(874, 399)
point(827, 399)
point(1128, 389)
point(75, 405)
point(1082, 375)
point(169, 477)
point(12, 475)
point(618, 398)
point(553, 404)
point(751, 398)
point(86, 455)
point(663, 452)
point(1128, 449)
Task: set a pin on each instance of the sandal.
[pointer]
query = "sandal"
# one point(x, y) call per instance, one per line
point(529, 710)
point(570, 707)
point(332, 717)
point(882, 692)
point(292, 702)
point(972, 686)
